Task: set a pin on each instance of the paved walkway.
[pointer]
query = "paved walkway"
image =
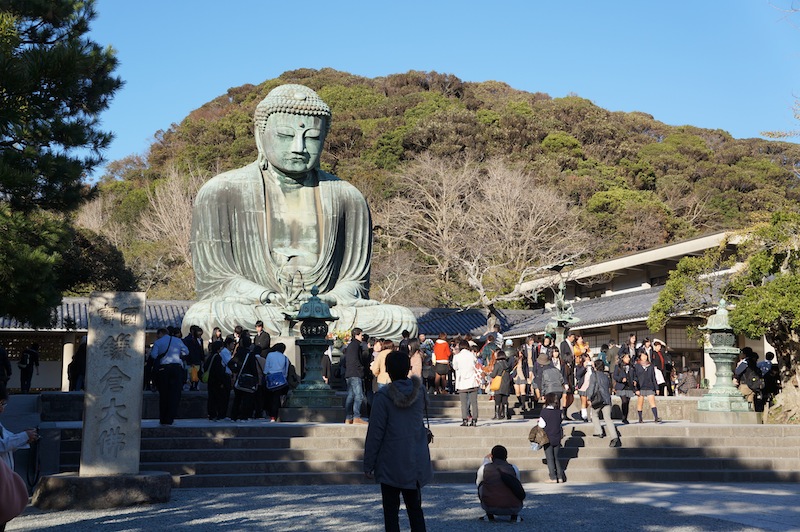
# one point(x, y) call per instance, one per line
point(451, 508)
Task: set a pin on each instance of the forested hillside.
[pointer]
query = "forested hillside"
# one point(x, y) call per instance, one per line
point(535, 180)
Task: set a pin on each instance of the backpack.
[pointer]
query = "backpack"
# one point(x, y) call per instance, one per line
point(24, 360)
point(753, 379)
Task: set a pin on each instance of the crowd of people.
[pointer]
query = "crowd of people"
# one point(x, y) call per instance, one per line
point(490, 366)
point(259, 373)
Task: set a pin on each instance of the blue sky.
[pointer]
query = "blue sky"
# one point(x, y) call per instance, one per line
point(727, 64)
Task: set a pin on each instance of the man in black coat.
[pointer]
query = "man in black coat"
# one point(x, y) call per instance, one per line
point(568, 357)
point(28, 361)
point(262, 338)
point(353, 370)
point(566, 349)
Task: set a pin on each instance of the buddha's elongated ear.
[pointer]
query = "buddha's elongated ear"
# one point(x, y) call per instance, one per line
point(262, 155)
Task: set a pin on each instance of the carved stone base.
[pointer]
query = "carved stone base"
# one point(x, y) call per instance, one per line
point(313, 415)
point(729, 418)
point(310, 398)
point(67, 491)
point(712, 402)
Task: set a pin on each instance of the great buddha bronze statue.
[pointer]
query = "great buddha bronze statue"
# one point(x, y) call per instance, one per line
point(263, 234)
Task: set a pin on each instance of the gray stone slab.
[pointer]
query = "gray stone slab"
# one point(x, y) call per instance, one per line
point(114, 374)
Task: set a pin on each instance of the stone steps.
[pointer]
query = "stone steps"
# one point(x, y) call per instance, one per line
point(259, 453)
point(529, 463)
point(727, 457)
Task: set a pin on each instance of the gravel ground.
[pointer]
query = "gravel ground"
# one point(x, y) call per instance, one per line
point(451, 508)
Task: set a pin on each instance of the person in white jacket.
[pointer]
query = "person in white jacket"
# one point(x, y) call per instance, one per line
point(10, 441)
point(467, 382)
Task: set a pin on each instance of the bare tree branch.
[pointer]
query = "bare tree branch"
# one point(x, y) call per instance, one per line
point(489, 227)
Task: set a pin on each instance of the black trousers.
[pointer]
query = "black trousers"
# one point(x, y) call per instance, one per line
point(170, 384)
point(391, 508)
point(243, 404)
point(219, 394)
point(274, 400)
point(25, 378)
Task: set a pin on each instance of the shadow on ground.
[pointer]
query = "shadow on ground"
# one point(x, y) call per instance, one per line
point(356, 508)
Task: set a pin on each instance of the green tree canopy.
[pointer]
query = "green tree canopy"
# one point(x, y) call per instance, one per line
point(634, 181)
point(762, 284)
point(54, 82)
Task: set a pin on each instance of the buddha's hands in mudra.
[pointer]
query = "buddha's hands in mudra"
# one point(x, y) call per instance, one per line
point(288, 301)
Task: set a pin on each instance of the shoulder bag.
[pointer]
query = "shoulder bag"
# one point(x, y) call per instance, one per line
point(429, 432)
point(276, 380)
point(207, 371)
point(246, 382)
point(538, 438)
point(595, 397)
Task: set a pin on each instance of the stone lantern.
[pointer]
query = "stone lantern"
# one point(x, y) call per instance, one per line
point(724, 403)
point(313, 395)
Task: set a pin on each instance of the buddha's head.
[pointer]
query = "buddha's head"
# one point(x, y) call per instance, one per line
point(291, 124)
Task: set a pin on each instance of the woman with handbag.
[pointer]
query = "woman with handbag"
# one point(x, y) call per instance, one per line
point(599, 394)
point(246, 385)
point(217, 375)
point(276, 371)
point(550, 421)
point(240, 351)
point(501, 385)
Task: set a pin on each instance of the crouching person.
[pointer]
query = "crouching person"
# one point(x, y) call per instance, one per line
point(499, 488)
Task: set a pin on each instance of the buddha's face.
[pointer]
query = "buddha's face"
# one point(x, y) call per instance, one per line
point(293, 143)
